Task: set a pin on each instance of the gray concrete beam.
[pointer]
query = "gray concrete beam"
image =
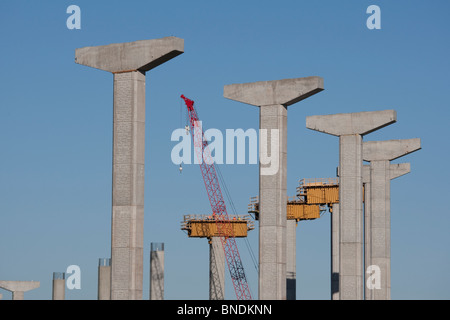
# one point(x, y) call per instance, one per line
point(350, 127)
point(19, 287)
point(129, 62)
point(360, 123)
point(142, 55)
point(278, 92)
point(390, 149)
point(273, 97)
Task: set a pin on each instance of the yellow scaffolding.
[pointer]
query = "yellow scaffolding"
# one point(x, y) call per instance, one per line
point(205, 226)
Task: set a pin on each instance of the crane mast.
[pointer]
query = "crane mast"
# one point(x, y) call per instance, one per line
point(218, 207)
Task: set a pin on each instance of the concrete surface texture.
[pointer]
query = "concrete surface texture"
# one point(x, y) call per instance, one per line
point(104, 279)
point(216, 269)
point(59, 286)
point(350, 128)
point(18, 288)
point(291, 263)
point(142, 55)
point(335, 252)
point(273, 97)
point(378, 216)
point(129, 62)
point(157, 275)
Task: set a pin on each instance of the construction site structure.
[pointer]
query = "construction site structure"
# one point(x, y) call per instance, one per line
point(217, 202)
point(313, 195)
point(205, 226)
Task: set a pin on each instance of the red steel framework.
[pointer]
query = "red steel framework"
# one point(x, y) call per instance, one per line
point(218, 207)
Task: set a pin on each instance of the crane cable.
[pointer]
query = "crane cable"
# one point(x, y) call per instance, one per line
point(233, 208)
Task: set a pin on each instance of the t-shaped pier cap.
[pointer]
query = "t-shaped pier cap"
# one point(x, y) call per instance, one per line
point(389, 150)
point(361, 123)
point(142, 55)
point(277, 92)
point(19, 287)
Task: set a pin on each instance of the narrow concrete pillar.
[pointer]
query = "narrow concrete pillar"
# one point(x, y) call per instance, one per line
point(378, 218)
point(59, 286)
point(350, 128)
point(335, 252)
point(367, 229)
point(216, 269)
point(273, 98)
point(18, 288)
point(104, 279)
point(157, 271)
point(291, 263)
point(128, 62)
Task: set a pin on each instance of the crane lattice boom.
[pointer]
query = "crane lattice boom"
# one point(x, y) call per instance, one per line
point(218, 207)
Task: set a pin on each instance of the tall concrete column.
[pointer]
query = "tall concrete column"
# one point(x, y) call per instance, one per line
point(291, 263)
point(157, 271)
point(335, 252)
point(104, 279)
point(350, 128)
point(378, 218)
point(128, 62)
point(216, 269)
point(273, 98)
point(59, 286)
point(18, 288)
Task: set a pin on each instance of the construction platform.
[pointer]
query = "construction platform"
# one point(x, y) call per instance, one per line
point(313, 195)
point(205, 226)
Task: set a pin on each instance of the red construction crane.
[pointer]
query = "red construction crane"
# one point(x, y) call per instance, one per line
point(218, 207)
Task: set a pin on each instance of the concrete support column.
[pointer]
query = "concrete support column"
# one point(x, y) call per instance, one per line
point(128, 62)
point(273, 98)
point(335, 252)
point(127, 242)
point(216, 269)
point(378, 217)
point(291, 263)
point(59, 286)
point(273, 195)
point(350, 128)
point(104, 279)
point(157, 271)
point(350, 215)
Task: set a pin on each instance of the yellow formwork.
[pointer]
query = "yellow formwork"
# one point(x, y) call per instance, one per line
point(202, 226)
point(301, 211)
point(295, 209)
point(319, 191)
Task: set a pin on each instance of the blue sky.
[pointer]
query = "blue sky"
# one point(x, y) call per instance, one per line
point(56, 130)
